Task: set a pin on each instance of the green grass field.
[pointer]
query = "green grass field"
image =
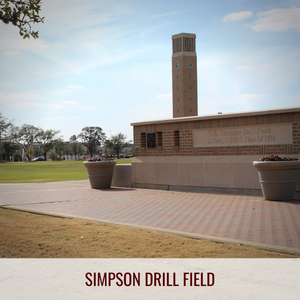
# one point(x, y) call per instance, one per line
point(45, 171)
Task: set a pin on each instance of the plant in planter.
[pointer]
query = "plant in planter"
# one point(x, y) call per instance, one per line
point(274, 157)
point(100, 172)
point(277, 176)
point(99, 158)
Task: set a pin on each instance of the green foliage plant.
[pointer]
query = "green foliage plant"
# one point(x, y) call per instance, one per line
point(22, 13)
point(275, 157)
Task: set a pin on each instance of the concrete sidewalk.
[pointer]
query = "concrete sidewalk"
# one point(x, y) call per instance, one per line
point(246, 220)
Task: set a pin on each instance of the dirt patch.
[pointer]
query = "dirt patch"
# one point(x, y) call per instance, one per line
point(26, 235)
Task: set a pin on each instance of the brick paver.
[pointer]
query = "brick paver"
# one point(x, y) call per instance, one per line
point(230, 218)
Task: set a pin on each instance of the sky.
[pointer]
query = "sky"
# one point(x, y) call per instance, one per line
point(107, 63)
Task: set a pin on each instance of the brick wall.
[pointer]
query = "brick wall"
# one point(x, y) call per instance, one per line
point(185, 126)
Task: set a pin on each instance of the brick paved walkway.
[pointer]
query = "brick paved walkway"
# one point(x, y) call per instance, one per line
point(244, 220)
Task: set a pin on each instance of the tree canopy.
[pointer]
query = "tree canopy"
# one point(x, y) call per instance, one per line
point(4, 125)
point(117, 143)
point(25, 136)
point(22, 13)
point(28, 141)
point(91, 137)
point(76, 147)
point(45, 139)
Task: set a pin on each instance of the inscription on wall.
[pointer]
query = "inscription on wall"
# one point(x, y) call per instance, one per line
point(244, 136)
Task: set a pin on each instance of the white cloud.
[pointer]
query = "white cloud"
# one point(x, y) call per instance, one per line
point(171, 13)
point(280, 19)
point(152, 29)
point(254, 96)
point(24, 105)
point(243, 68)
point(75, 87)
point(60, 117)
point(23, 96)
point(91, 15)
point(90, 107)
point(18, 45)
point(238, 16)
point(70, 102)
point(56, 106)
point(55, 118)
point(11, 53)
point(60, 91)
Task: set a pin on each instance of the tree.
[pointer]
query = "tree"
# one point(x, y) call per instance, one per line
point(76, 148)
point(25, 136)
point(67, 151)
point(37, 152)
point(91, 137)
point(4, 128)
point(117, 143)
point(45, 140)
point(21, 13)
point(9, 149)
point(4, 125)
point(59, 147)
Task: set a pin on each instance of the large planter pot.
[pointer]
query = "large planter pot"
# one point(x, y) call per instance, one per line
point(100, 173)
point(278, 179)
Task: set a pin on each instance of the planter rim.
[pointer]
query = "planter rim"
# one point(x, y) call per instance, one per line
point(99, 164)
point(103, 161)
point(291, 164)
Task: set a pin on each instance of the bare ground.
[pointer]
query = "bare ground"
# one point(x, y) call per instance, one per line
point(26, 235)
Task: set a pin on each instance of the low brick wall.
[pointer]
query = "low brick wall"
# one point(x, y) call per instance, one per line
point(212, 153)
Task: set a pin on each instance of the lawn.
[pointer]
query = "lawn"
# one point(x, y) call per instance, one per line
point(45, 171)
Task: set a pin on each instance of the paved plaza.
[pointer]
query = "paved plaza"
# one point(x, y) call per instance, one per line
point(246, 220)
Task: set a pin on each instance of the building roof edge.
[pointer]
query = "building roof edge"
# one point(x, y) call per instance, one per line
point(220, 116)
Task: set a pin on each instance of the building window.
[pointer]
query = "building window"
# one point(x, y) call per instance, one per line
point(190, 76)
point(150, 139)
point(159, 139)
point(143, 139)
point(188, 44)
point(190, 98)
point(177, 76)
point(190, 88)
point(176, 138)
point(177, 88)
point(177, 99)
point(177, 45)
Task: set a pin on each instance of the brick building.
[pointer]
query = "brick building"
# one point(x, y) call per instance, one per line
point(212, 153)
point(208, 153)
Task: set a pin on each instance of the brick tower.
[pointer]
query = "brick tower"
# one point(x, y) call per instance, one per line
point(184, 75)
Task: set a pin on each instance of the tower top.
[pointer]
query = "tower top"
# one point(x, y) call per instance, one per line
point(184, 43)
point(183, 34)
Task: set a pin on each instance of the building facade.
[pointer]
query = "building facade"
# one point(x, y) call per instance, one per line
point(206, 153)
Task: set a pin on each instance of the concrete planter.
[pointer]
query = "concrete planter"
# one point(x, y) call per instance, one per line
point(278, 179)
point(100, 173)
